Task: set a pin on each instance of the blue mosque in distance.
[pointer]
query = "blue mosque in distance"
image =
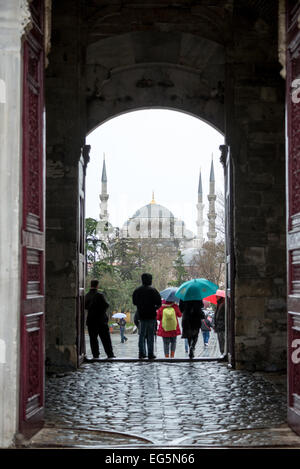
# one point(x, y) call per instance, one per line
point(156, 222)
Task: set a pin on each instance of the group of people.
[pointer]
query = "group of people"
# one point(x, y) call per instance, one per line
point(150, 309)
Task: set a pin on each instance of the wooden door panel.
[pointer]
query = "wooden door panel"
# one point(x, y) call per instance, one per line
point(33, 239)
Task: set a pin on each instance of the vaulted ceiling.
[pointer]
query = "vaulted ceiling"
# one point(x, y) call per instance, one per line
point(106, 18)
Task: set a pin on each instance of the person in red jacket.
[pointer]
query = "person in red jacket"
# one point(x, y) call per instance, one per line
point(169, 329)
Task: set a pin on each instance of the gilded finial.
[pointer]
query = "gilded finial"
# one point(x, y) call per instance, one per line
point(153, 201)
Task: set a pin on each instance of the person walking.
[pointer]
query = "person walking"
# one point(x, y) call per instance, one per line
point(97, 321)
point(219, 323)
point(122, 324)
point(192, 314)
point(206, 326)
point(169, 328)
point(147, 300)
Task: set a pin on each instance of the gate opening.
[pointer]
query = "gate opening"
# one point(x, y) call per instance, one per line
point(155, 204)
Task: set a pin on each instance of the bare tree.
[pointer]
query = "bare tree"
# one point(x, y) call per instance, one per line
point(209, 263)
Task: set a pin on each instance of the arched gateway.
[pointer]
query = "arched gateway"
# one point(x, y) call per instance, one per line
point(218, 62)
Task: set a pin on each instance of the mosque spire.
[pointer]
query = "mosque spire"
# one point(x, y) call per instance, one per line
point(212, 172)
point(200, 186)
point(104, 195)
point(200, 207)
point(104, 177)
point(153, 200)
point(212, 200)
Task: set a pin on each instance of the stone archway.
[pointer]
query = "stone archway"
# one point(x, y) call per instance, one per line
point(109, 62)
point(155, 70)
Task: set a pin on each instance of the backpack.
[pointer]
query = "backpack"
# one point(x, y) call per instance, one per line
point(169, 321)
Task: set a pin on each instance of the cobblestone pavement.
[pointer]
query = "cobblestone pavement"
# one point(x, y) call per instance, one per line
point(169, 404)
point(129, 349)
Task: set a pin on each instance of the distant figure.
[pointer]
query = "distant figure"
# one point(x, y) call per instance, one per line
point(206, 326)
point(147, 300)
point(219, 323)
point(169, 329)
point(192, 313)
point(97, 321)
point(122, 324)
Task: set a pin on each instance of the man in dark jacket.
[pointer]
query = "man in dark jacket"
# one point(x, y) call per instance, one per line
point(97, 321)
point(219, 322)
point(147, 300)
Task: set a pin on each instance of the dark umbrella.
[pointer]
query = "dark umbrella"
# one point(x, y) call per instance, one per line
point(169, 294)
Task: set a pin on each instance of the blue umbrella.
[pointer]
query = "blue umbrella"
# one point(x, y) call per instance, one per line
point(196, 289)
point(169, 294)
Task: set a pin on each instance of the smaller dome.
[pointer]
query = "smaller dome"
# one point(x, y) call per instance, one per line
point(189, 255)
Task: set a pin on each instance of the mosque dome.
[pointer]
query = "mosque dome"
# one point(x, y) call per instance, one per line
point(155, 221)
point(153, 210)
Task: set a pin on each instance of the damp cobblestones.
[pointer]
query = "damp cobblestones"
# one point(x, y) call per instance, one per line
point(164, 403)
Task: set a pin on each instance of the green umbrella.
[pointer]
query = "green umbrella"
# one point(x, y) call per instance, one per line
point(196, 289)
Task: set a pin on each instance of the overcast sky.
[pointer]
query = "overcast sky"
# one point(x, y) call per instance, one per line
point(153, 150)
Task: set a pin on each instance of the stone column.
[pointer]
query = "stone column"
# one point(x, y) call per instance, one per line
point(15, 17)
point(255, 121)
point(65, 138)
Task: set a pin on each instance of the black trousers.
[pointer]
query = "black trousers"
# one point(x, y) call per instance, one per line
point(193, 341)
point(101, 330)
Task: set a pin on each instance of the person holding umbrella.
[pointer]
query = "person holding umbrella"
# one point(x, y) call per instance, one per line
point(219, 322)
point(219, 319)
point(192, 314)
point(191, 305)
point(122, 323)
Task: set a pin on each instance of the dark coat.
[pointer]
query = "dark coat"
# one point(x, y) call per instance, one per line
point(219, 319)
point(206, 325)
point(147, 300)
point(96, 305)
point(136, 319)
point(192, 314)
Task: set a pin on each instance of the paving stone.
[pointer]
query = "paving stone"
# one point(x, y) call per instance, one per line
point(165, 401)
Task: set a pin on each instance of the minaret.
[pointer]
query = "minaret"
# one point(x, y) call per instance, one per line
point(200, 207)
point(103, 196)
point(212, 199)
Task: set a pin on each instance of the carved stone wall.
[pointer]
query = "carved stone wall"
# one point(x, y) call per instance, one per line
point(65, 137)
point(255, 133)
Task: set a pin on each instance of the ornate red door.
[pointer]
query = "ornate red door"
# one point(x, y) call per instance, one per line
point(293, 210)
point(32, 296)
